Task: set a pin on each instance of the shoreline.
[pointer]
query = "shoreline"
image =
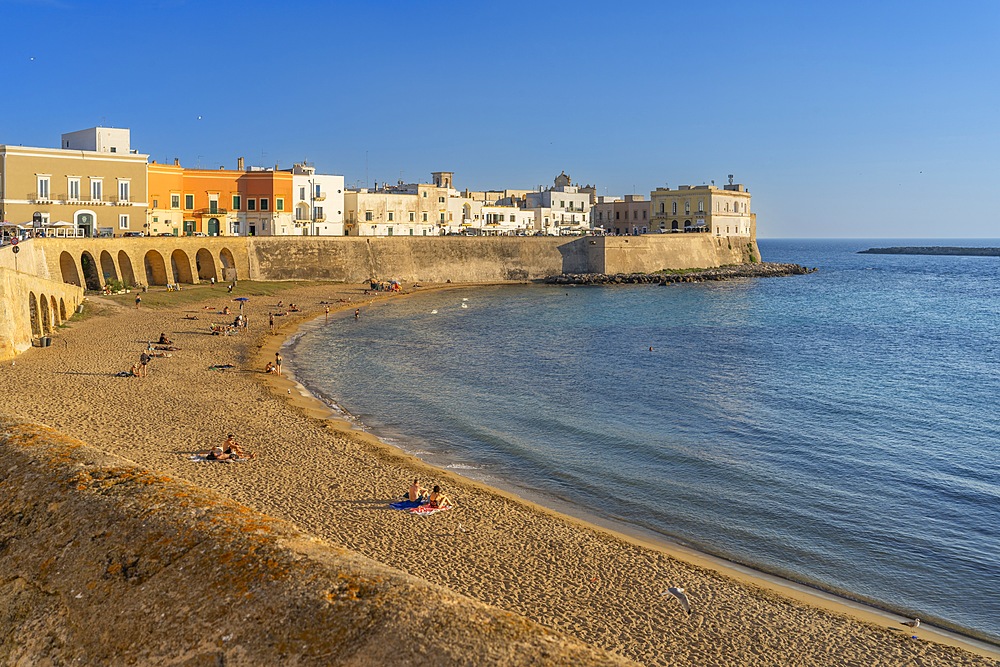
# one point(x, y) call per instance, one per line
point(334, 481)
point(313, 405)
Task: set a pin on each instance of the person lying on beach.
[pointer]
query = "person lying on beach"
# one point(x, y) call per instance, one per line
point(438, 499)
point(214, 454)
point(190, 317)
point(164, 340)
point(416, 492)
point(167, 348)
point(233, 450)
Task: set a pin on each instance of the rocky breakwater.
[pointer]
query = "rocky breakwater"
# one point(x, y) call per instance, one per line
point(105, 563)
point(757, 270)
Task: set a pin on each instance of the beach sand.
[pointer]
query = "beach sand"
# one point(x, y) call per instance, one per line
point(334, 482)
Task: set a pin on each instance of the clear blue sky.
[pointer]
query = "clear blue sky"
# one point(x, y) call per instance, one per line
point(850, 119)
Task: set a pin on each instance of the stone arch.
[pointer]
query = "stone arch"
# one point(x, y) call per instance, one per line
point(36, 325)
point(125, 264)
point(228, 264)
point(62, 309)
point(57, 319)
point(205, 265)
point(91, 274)
point(45, 315)
point(156, 270)
point(675, 225)
point(108, 269)
point(180, 267)
point(68, 267)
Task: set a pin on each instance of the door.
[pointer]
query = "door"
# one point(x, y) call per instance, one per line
point(213, 226)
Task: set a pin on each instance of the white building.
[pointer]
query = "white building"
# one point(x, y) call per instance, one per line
point(562, 209)
point(318, 203)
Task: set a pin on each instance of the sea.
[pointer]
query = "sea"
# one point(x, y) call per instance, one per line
point(838, 429)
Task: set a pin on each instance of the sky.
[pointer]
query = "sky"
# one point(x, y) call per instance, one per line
point(844, 120)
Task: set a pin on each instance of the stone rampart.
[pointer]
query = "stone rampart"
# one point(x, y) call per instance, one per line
point(106, 563)
point(31, 305)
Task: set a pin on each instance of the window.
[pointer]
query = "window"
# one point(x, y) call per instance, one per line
point(411, 231)
point(175, 201)
point(413, 216)
point(156, 203)
point(279, 203)
point(236, 202)
point(251, 204)
point(319, 193)
point(123, 191)
point(701, 205)
point(674, 205)
point(687, 207)
point(123, 221)
point(442, 217)
point(369, 216)
point(425, 194)
point(424, 217)
point(635, 215)
point(43, 187)
point(74, 188)
point(661, 207)
point(390, 231)
point(263, 203)
point(188, 202)
point(440, 200)
point(643, 214)
point(562, 204)
point(391, 216)
point(617, 215)
point(302, 193)
point(96, 189)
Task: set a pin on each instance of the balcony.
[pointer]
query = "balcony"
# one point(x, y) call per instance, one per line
point(320, 196)
point(37, 198)
point(211, 210)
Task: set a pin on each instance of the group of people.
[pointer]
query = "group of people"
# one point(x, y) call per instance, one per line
point(435, 499)
point(229, 450)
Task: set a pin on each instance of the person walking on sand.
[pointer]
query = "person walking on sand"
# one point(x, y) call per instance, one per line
point(270, 317)
point(138, 300)
point(277, 363)
point(328, 313)
point(357, 313)
point(143, 363)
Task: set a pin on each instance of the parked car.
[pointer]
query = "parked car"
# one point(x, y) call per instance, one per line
point(132, 234)
point(165, 234)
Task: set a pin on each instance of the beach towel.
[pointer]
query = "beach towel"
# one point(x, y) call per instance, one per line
point(406, 504)
point(424, 510)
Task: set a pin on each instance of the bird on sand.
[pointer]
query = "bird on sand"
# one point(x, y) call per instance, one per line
point(915, 623)
point(465, 305)
point(678, 593)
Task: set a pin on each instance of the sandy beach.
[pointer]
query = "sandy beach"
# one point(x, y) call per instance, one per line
point(335, 482)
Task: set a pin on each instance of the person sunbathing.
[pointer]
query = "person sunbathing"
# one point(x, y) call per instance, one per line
point(214, 454)
point(233, 449)
point(416, 493)
point(438, 499)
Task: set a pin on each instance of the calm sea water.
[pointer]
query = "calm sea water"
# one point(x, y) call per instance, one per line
point(838, 429)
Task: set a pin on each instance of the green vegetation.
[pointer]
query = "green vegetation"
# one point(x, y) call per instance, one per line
point(158, 297)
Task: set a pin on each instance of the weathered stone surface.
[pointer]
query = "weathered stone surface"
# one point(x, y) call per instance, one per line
point(102, 562)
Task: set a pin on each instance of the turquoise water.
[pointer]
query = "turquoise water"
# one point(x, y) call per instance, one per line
point(838, 429)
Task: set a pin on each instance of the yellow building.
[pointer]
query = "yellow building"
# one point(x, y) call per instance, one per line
point(96, 190)
point(703, 208)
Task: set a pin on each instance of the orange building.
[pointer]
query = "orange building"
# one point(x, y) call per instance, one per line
point(218, 202)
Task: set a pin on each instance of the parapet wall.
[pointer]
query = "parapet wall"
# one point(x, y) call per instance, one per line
point(106, 563)
point(31, 305)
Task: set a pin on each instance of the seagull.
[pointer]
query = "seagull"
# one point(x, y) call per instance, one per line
point(915, 623)
point(465, 305)
point(434, 312)
point(678, 593)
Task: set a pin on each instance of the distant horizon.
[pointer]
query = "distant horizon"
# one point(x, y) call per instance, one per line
point(839, 119)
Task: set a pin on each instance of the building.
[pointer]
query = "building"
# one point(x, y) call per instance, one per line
point(93, 185)
point(704, 208)
point(620, 216)
point(561, 209)
point(318, 201)
point(404, 209)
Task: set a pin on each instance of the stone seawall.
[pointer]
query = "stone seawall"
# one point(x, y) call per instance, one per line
point(759, 270)
point(103, 562)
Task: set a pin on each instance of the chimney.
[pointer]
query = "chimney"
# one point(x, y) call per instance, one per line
point(239, 164)
point(177, 162)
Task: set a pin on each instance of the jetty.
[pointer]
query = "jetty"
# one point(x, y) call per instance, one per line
point(933, 250)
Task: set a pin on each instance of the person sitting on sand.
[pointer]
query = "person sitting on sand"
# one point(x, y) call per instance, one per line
point(164, 340)
point(438, 499)
point(225, 311)
point(232, 449)
point(416, 493)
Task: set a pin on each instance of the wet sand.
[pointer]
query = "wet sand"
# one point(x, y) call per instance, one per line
point(336, 482)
